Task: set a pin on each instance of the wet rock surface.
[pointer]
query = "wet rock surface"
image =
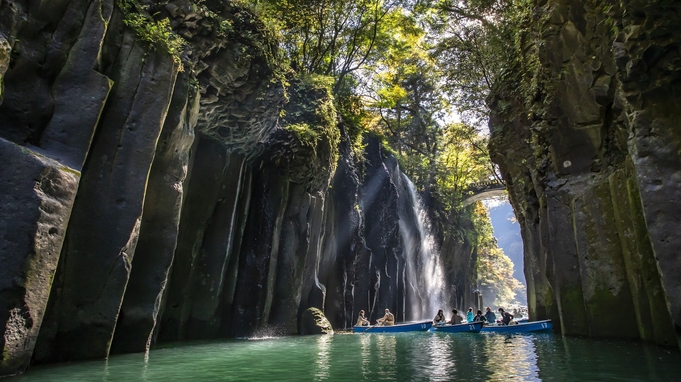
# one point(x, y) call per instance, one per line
point(312, 321)
point(592, 162)
point(152, 195)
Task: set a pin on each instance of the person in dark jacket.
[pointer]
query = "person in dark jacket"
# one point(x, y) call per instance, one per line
point(490, 316)
point(479, 317)
point(505, 316)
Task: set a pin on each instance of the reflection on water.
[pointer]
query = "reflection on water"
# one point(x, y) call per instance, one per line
point(323, 348)
point(511, 357)
point(387, 356)
point(440, 358)
point(366, 355)
point(371, 357)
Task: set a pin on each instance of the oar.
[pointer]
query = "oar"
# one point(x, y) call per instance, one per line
point(371, 327)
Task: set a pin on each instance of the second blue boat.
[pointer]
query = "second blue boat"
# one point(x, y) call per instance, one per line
point(528, 327)
point(473, 327)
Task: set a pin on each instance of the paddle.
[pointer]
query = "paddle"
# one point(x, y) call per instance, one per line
point(373, 326)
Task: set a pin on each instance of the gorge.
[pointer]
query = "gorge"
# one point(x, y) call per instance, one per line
point(165, 177)
point(143, 203)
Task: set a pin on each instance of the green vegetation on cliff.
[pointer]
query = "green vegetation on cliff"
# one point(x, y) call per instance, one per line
point(156, 32)
point(407, 73)
point(391, 69)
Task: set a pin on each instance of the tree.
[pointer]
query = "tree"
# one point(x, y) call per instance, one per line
point(412, 110)
point(473, 42)
point(331, 37)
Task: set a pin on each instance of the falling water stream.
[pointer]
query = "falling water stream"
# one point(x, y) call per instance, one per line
point(424, 275)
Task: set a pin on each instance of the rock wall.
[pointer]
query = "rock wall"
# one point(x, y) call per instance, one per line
point(155, 192)
point(586, 133)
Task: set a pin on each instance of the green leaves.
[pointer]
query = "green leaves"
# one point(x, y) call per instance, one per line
point(147, 29)
point(329, 37)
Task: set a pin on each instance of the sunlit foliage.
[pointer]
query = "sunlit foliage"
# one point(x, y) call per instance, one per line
point(495, 269)
point(331, 37)
point(415, 74)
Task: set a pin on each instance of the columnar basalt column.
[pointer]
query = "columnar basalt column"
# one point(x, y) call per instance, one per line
point(104, 228)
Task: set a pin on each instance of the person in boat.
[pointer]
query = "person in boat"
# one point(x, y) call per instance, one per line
point(490, 316)
point(505, 316)
point(387, 320)
point(470, 315)
point(361, 320)
point(479, 317)
point(456, 319)
point(439, 318)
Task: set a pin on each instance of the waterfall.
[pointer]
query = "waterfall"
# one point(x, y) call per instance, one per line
point(425, 278)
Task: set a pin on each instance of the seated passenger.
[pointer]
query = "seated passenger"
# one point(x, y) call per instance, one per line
point(505, 316)
point(490, 316)
point(361, 320)
point(387, 320)
point(456, 319)
point(479, 317)
point(469, 315)
point(439, 318)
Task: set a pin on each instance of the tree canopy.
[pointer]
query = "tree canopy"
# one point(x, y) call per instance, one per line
point(416, 74)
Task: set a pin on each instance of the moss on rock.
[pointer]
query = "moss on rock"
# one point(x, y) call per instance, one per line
point(313, 321)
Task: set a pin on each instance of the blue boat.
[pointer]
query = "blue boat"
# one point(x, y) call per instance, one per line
point(473, 327)
point(411, 327)
point(528, 327)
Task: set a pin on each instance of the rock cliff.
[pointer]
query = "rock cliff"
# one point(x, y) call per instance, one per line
point(586, 132)
point(160, 189)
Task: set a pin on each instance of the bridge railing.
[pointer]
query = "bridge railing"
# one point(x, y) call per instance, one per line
point(485, 185)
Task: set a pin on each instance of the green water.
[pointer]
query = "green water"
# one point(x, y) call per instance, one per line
point(400, 356)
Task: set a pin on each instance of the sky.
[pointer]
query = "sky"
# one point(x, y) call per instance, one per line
point(507, 232)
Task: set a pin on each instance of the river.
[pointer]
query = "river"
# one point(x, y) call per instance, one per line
point(400, 356)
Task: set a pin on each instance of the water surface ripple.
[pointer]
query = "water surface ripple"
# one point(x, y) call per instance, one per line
point(388, 357)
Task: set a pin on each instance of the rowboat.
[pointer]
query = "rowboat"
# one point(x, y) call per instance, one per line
point(411, 327)
point(533, 326)
point(473, 327)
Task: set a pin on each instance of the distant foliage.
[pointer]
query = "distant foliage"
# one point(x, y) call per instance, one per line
point(415, 74)
point(495, 269)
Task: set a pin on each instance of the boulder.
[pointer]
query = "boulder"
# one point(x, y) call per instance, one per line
point(313, 321)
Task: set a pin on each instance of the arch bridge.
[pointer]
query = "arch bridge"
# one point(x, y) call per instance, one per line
point(483, 190)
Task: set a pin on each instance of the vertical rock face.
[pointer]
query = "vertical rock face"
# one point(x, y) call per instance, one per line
point(153, 194)
point(106, 217)
point(160, 223)
point(588, 140)
point(35, 205)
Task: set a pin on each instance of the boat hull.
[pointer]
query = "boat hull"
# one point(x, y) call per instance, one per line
point(412, 327)
point(473, 327)
point(529, 327)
